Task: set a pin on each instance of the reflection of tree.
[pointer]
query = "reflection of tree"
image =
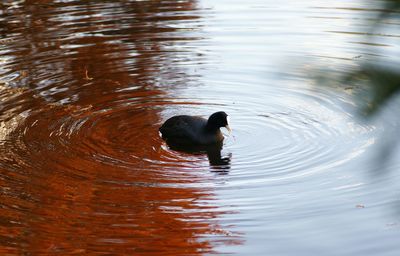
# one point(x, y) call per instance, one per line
point(382, 79)
point(83, 58)
point(378, 78)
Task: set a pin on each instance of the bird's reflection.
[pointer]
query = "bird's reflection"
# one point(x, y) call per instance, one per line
point(218, 162)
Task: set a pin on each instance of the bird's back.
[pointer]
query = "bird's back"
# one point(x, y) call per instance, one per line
point(183, 129)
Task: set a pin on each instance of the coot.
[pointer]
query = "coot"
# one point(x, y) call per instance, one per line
point(194, 130)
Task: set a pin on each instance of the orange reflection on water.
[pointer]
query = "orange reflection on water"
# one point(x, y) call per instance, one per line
point(83, 170)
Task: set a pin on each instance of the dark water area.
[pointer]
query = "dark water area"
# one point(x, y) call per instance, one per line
point(85, 85)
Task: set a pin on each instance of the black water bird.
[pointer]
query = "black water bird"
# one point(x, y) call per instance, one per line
point(194, 130)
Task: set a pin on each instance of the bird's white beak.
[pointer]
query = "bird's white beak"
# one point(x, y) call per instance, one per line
point(227, 125)
point(228, 128)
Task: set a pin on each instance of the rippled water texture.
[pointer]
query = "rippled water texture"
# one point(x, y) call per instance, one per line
point(84, 86)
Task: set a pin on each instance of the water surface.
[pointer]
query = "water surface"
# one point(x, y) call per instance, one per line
point(86, 84)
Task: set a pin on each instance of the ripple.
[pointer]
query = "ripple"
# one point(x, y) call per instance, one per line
point(85, 86)
point(300, 132)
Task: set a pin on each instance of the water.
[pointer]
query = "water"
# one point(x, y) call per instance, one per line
point(85, 86)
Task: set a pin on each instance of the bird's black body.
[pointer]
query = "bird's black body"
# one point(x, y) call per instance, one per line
point(193, 130)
